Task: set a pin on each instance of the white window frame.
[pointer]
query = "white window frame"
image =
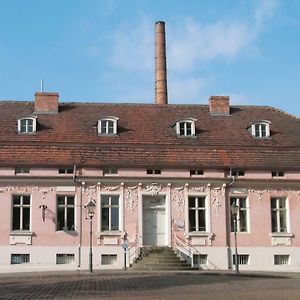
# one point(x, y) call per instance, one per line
point(281, 259)
point(26, 119)
point(206, 210)
point(260, 123)
point(66, 206)
point(120, 225)
point(65, 258)
point(278, 210)
point(186, 122)
point(238, 223)
point(24, 258)
point(21, 206)
point(106, 120)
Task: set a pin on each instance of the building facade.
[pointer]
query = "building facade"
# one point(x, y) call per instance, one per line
point(158, 174)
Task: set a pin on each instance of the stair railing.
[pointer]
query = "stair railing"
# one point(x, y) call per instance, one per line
point(185, 248)
point(134, 251)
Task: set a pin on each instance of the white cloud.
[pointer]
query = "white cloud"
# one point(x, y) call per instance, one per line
point(196, 43)
point(133, 46)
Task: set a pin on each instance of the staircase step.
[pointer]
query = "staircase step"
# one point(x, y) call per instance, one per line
point(160, 259)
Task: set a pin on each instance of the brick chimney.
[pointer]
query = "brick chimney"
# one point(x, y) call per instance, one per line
point(161, 93)
point(46, 103)
point(219, 105)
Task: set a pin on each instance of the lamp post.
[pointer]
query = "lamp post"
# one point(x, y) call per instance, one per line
point(91, 212)
point(234, 212)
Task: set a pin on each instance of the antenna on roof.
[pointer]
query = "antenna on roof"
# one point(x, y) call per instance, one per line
point(42, 85)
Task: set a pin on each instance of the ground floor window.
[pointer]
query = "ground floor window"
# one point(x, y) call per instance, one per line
point(16, 259)
point(243, 259)
point(197, 214)
point(65, 259)
point(109, 259)
point(281, 259)
point(200, 259)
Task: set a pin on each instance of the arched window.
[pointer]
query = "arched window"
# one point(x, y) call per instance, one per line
point(186, 127)
point(108, 126)
point(27, 125)
point(260, 129)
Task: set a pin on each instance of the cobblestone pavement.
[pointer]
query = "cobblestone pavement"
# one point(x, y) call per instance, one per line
point(157, 285)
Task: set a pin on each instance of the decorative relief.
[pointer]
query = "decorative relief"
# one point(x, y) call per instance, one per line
point(177, 196)
point(27, 189)
point(258, 193)
point(131, 198)
point(111, 188)
point(216, 198)
point(90, 191)
point(201, 189)
point(154, 188)
point(298, 195)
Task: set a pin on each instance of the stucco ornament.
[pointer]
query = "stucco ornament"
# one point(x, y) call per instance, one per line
point(216, 198)
point(201, 189)
point(298, 194)
point(154, 188)
point(258, 193)
point(131, 198)
point(111, 188)
point(27, 189)
point(90, 191)
point(177, 196)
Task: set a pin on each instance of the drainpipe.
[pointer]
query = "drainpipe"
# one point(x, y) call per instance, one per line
point(232, 180)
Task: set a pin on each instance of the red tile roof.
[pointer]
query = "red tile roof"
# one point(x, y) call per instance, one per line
point(146, 137)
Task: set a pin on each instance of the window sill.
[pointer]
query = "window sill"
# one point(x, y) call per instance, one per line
point(21, 233)
point(111, 233)
point(199, 233)
point(281, 234)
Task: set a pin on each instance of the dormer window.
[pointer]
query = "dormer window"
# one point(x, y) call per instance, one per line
point(27, 125)
point(260, 129)
point(185, 127)
point(107, 126)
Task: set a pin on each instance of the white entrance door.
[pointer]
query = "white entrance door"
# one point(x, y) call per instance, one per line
point(154, 221)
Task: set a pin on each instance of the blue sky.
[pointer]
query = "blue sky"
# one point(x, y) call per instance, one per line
point(103, 50)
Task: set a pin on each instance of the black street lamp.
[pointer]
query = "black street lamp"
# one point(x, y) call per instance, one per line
point(91, 206)
point(234, 212)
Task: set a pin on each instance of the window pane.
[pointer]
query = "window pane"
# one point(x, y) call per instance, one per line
point(26, 218)
point(110, 127)
point(104, 200)
point(243, 221)
point(105, 218)
point(16, 200)
point(114, 218)
point(30, 125)
point(114, 200)
point(181, 128)
point(70, 200)
point(188, 129)
point(201, 202)
point(192, 220)
point(242, 203)
point(282, 216)
point(201, 220)
point(60, 218)
point(60, 200)
point(23, 126)
point(274, 222)
point(192, 202)
point(257, 133)
point(70, 218)
point(263, 130)
point(104, 127)
point(281, 203)
point(26, 200)
point(273, 203)
point(16, 218)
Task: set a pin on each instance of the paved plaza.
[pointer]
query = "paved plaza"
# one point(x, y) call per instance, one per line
point(127, 285)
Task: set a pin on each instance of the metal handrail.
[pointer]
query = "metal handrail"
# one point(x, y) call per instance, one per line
point(186, 248)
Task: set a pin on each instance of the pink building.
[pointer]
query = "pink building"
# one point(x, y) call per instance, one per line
point(159, 175)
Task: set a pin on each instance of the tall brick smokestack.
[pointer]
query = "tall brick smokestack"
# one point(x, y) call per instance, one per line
point(161, 91)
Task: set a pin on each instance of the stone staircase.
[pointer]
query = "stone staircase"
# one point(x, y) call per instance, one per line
point(160, 259)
